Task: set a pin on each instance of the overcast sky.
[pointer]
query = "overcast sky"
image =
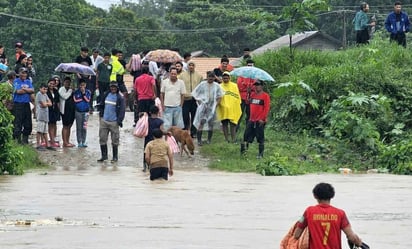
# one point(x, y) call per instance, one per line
point(104, 4)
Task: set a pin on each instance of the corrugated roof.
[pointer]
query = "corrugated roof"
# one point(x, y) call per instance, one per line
point(203, 64)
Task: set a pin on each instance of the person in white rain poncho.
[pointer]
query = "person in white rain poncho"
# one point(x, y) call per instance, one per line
point(207, 95)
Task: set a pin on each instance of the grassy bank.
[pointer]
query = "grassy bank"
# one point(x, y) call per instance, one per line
point(285, 154)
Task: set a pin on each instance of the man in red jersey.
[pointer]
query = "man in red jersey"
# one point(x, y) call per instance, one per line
point(325, 222)
point(259, 102)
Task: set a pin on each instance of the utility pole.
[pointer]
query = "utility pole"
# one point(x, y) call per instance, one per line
point(344, 30)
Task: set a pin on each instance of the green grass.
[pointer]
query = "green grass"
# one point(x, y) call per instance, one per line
point(293, 154)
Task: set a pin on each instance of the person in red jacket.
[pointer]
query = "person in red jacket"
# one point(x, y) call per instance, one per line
point(246, 87)
point(259, 102)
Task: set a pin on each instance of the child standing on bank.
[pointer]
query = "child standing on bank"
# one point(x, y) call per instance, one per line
point(159, 157)
point(42, 109)
point(81, 99)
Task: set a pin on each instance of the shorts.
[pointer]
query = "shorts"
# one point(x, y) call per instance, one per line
point(254, 130)
point(226, 122)
point(122, 87)
point(159, 172)
point(173, 116)
point(42, 127)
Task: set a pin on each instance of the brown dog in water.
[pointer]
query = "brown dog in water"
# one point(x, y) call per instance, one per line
point(183, 137)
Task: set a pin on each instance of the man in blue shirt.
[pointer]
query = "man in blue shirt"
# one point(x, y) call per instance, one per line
point(112, 112)
point(397, 23)
point(22, 90)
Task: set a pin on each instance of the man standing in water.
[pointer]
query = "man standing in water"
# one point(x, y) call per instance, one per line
point(111, 118)
point(159, 156)
point(325, 222)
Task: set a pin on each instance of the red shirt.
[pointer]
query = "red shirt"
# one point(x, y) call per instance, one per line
point(325, 223)
point(243, 84)
point(259, 106)
point(143, 85)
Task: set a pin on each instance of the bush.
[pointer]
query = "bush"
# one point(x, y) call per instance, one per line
point(360, 97)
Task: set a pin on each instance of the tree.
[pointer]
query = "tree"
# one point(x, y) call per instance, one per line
point(300, 16)
point(219, 28)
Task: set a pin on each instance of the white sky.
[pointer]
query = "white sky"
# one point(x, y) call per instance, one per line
point(104, 4)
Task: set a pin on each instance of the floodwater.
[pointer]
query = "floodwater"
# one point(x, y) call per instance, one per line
point(78, 203)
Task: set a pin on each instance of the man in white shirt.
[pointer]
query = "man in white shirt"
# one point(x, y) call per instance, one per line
point(172, 93)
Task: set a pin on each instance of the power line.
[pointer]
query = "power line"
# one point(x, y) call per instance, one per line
point(81, 26)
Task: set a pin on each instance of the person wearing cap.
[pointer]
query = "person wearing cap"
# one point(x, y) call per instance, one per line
point(259, 110)
point(54, 111)
point(22, 91)
point(19, 50)
point(82, 97)
point(228, 110)
point(207, 95)
point(246, 87)
point(112, 112)
point(191, 78)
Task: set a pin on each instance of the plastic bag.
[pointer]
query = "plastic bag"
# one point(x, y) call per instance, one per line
point(142, 126)
point(173, 144)
point(158, 103)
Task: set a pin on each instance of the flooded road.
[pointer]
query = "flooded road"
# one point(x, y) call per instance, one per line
point(78, 204)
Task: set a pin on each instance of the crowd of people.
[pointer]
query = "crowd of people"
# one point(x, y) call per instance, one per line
point(172, 94)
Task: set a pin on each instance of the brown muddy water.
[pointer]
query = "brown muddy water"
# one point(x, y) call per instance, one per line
point(78, 203)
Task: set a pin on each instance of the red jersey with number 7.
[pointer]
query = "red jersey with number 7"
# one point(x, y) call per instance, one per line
point(325, 223)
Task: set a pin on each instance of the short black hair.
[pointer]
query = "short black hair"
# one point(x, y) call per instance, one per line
point(67, 78)
point(145, 70)
point(154, 109)
point(43, 86)
point(323, 191)
point(398, 3)
point(187, 55)
point(157, 133)
point(179, 62)
point(114, 51)
point(106, 54)
point(224, 59)
point(84, 49)
point(210, 74)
